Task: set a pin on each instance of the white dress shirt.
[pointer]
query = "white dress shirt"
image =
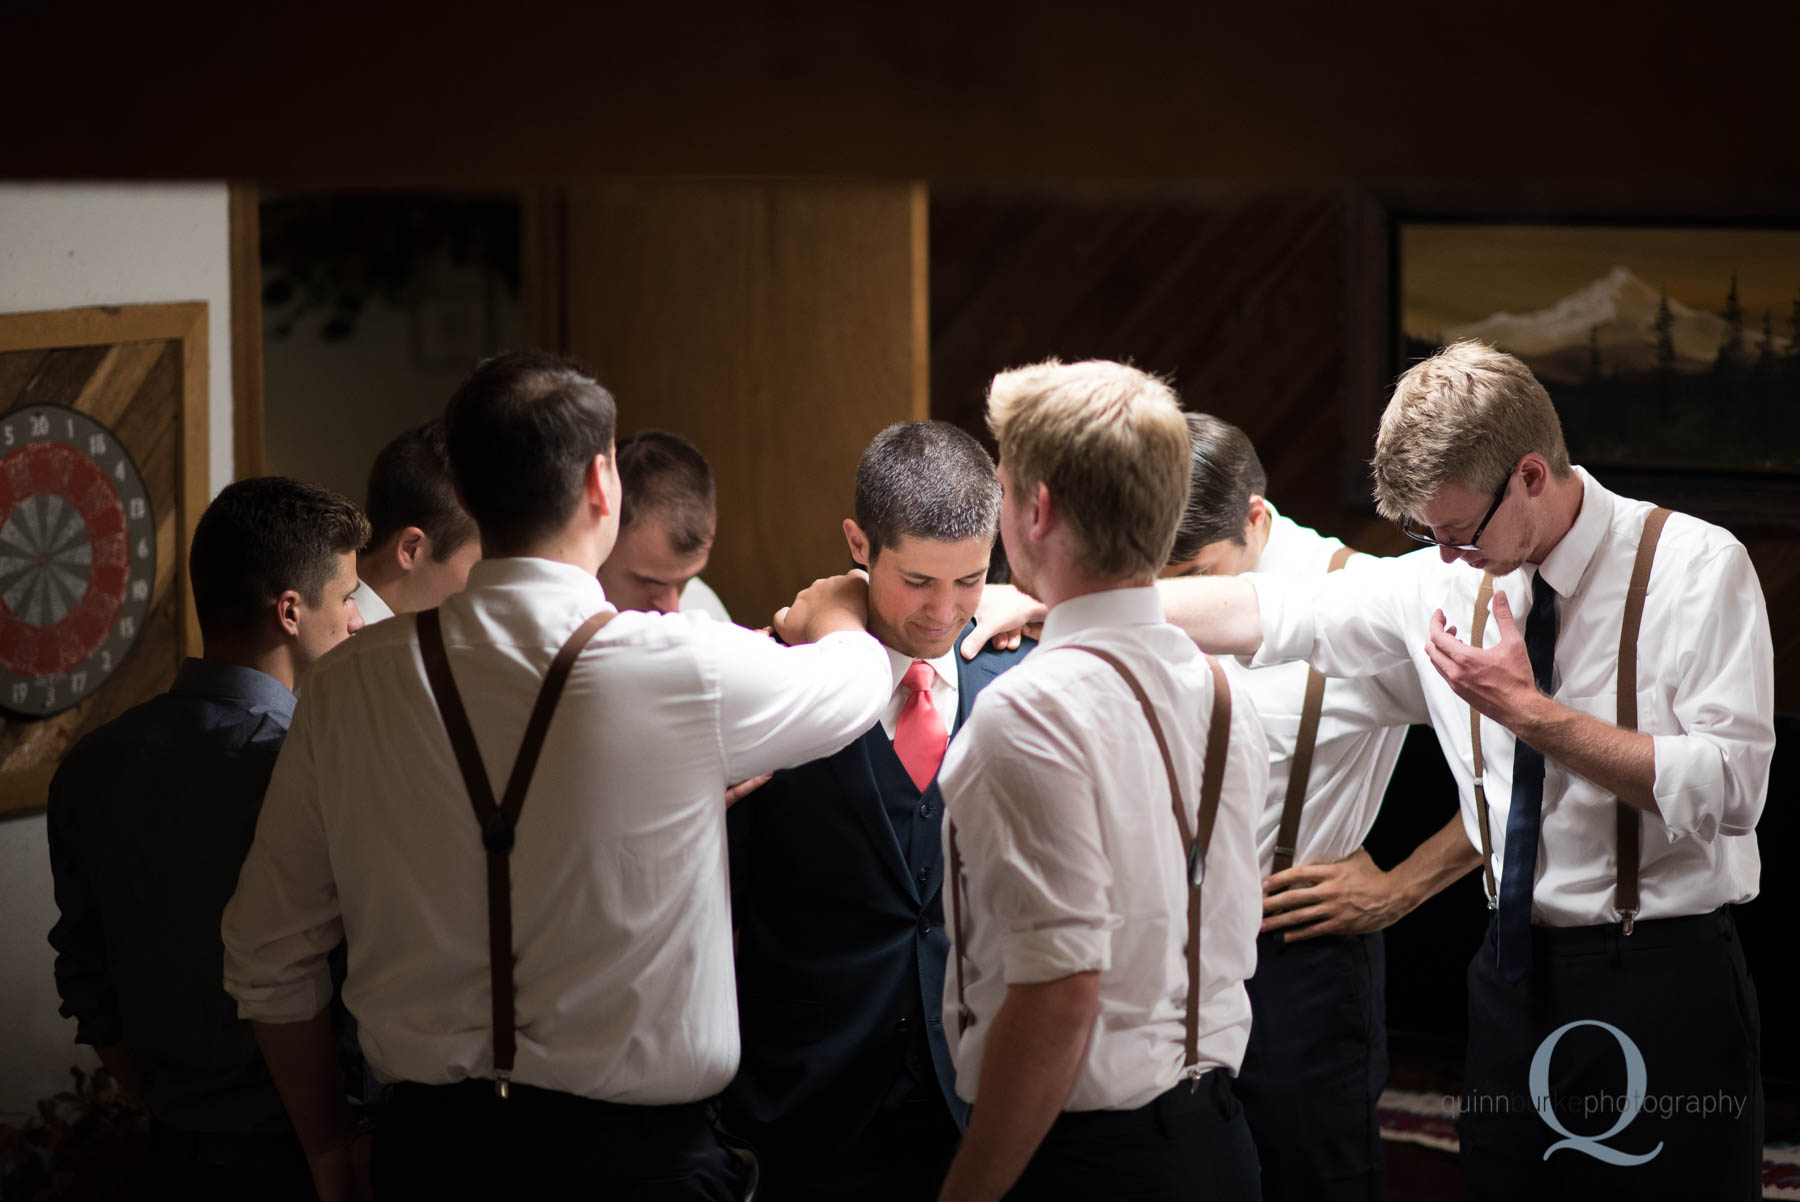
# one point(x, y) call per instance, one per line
point(943, 688)
point(1362, 723)
point(1073, 863)
point(369, 604)
point(621, 922)
point(697, 597)
point(1705, 691)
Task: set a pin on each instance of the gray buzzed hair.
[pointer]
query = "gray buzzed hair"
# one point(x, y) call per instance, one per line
point(925, 480)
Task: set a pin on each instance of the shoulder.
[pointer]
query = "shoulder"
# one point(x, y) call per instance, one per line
point(988, 663)
point(108, 751)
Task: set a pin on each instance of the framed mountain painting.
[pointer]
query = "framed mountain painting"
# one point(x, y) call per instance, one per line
point(1672, 352)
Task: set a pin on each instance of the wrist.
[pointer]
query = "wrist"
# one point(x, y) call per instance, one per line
point(1535, 715)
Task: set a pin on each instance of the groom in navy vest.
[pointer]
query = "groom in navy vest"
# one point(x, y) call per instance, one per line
point(845, 1088)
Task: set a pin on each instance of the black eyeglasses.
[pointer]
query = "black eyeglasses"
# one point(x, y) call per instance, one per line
point(1474, 543)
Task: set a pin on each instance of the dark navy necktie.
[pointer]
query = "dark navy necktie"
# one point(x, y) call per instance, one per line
point(1513, 952)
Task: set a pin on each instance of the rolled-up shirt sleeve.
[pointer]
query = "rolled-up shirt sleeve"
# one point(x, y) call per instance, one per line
point(780, 707)
point(1031, 821)
point(1712, 777)
point(284, 917)
point(1355, 622)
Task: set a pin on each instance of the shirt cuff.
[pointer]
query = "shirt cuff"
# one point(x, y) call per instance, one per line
point(293, 1002)
point(1033, 957)
point(1284, 639)
point(1689, 788)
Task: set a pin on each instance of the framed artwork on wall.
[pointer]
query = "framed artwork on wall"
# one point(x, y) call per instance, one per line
point(1671, 350)
point(103, 473)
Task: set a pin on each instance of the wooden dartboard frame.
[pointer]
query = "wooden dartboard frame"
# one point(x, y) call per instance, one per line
point(140, 370)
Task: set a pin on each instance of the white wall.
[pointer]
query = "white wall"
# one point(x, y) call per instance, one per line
point(63, 246)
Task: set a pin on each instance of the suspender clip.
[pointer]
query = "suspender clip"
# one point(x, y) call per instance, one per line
point(502, 1079)
point(1628, 919)
point(1193, 1073)
point(1284, 851)
point(1196, 865)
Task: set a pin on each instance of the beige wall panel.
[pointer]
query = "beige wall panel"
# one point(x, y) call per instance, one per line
point(779, 326)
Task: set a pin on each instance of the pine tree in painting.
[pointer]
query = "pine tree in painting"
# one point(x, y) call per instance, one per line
point(1731, 350)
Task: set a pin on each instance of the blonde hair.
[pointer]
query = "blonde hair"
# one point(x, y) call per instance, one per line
point(1111, 443)
point(1467, 415)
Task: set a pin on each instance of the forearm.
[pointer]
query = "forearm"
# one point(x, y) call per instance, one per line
point(1219, 613)
point(303, 1063)
point(1445, 857)
point(1028, 1069)
point(1623, 762)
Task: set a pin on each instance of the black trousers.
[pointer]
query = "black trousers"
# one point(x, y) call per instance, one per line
point(1315, 1066)
point(901, 1157)
point(462, 1141)
point(207, 1166)
point(1188, 1145)
point(1662, 1101)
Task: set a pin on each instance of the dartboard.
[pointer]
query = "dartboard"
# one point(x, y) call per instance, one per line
point(77, 557)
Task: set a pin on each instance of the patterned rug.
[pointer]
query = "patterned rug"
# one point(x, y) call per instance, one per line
point(1429, 1120)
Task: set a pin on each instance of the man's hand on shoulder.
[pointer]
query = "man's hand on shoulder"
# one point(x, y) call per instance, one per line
point(1004, 615)
point(826, 607)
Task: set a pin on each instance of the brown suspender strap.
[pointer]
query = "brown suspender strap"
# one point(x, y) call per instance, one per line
point(1212, 784)
point(1478, 627)
point(1629, 822)
point(498, 821)
point(1197, 841)
point(1287, 835)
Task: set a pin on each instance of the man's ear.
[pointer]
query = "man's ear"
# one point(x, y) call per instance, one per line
point(858, 541)
point(412, 545)
point(1536, 471)
point(1043, 512)
point(601, 482)
point(1259, 513)
point(287, 612)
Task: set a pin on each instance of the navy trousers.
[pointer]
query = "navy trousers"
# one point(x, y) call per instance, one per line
point(1620, 1067)
point(1315, 1066)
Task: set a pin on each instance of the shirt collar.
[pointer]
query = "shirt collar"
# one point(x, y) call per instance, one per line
point(518, 572)
point(944, 665)
point(1568, 560)
point(212, 678)
point(1113, 607)
point(369, 603)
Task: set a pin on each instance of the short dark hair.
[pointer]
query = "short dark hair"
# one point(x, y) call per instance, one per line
point(1226, 473)
point(925, 480)
point(664, 476)
point(262, 537)
point(522, 430)
point(410, 485)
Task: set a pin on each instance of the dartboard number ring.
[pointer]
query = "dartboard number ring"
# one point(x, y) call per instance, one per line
point(77, 557)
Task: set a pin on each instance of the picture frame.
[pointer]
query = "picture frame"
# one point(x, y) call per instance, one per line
point(1653, 397)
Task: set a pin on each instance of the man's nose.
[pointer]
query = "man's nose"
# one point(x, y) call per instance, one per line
point(666, 600)
point(1450, 554)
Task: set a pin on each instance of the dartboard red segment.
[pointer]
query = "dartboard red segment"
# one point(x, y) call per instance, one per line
point(77, 557)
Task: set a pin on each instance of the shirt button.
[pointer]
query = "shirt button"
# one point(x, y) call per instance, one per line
point(924, 926)
point(925, 810)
